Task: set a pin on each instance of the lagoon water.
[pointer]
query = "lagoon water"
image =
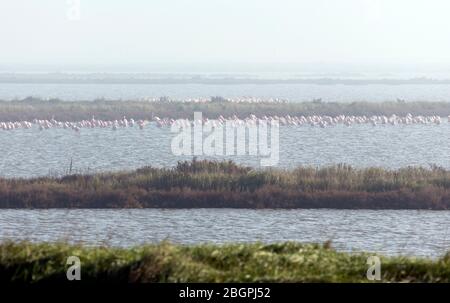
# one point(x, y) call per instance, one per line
point(27, 153)
point(31, 152)
point(291, 92)
point(390, 232)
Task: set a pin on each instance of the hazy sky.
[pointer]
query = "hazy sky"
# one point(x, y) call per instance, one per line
point(225, 33)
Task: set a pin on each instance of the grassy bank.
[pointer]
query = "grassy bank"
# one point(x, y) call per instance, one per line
point(203, 184)
point(30, 108)
point(164, 262)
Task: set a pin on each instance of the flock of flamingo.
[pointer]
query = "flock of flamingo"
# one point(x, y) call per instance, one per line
point(220, 99)
point(314, 121)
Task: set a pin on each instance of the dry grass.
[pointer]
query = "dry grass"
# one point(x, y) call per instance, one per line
point(32, 108)
point(224, 184)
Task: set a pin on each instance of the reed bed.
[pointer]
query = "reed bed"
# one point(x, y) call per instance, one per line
point(200, 184)
point(32, 108)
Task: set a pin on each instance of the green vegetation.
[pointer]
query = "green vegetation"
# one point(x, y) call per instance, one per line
point(200, 184)
point(165, 262)
point(32, 108)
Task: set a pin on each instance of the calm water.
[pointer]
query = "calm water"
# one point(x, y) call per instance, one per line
point(392, 232)
point(31, 152)
point(293, 92)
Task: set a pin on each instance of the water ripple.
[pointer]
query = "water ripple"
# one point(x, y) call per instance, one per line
point(391, 232)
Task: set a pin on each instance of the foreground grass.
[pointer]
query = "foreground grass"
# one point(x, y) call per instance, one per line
point(165, 262)
point(202, 184)
point(32, 108)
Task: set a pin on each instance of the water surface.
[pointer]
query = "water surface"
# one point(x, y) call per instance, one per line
point(292, 92)
point(391, 232)
point(30, 152)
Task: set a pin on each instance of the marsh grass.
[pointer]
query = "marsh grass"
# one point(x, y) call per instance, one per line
point(34, 108)
point(194, 184)
point(166, 262)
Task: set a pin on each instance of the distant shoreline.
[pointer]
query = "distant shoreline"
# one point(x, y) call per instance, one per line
point(206, 78)
point(20, 79)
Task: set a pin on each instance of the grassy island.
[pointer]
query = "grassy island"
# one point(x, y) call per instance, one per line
point(211, 184)
point(32, 108)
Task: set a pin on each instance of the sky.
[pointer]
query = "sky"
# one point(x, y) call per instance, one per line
point(226, 34)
